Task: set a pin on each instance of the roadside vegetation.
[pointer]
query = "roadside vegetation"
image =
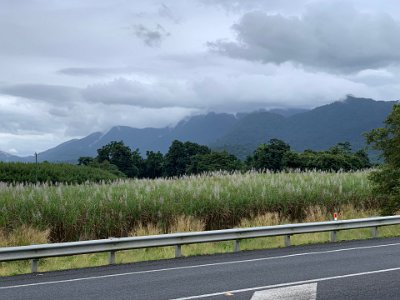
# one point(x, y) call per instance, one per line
point(27, 235)
point(15, 173)
point(386, 179)
point(219, 200)
point(45, 213)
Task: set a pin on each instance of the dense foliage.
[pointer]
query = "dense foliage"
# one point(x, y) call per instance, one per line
point(387, 177)
point(182, 159)
point(190, 159)
point(73, 212)
point(277, 156)
point(269, 156)
point(52, 173)
point(179, 157)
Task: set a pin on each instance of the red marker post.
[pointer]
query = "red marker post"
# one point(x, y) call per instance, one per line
point(335, 216)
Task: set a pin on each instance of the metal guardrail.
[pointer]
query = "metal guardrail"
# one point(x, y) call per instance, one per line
point(111, 245)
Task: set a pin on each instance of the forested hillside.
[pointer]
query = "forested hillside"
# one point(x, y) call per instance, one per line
point(317, 129)
point(240, 134)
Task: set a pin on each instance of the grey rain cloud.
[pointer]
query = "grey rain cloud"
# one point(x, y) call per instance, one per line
point(104, 71)
point(19, 122)
point(95, 72)
point(70, 68)
point(43, 92)
point(223, 93)
point(249, 5)
point(166, 12)
point(334, 38)
point(22, 116)
point(151, 37)
point(150, 95)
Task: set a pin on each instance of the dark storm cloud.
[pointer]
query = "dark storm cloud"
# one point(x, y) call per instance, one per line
point(334, 38)
point(151, 37)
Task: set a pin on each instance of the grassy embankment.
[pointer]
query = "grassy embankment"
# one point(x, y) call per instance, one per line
point(45, 213)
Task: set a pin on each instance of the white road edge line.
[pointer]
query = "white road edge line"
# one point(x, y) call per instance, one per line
point(199, 266)
point(288, 284)
point(303, 291)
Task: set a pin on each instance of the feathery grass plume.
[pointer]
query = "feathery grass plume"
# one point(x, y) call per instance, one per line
point(217, 200)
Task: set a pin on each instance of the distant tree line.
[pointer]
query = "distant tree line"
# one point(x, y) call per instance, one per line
point(277, 156)
point(187, 158)
point(181, 159)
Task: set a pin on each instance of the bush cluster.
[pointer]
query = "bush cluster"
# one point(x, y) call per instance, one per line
point(52, 173)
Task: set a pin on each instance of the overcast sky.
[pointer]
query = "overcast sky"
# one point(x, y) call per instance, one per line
point(70, 68)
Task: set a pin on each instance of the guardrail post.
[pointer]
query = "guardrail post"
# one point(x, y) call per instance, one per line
point(333, 236)
point(375, 231)
point(36, 252)
point(236, 246)
point(178, 251)
point(287, 240)
point(111, 258)
point(34, 265)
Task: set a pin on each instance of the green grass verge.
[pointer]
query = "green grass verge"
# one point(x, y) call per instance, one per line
point(130, 256)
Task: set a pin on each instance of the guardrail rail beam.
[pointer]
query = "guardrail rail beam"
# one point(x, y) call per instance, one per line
point(112, 245)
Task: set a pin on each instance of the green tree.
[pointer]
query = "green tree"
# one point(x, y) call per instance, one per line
point(293, 160)
point(387, 177)
point(338, 157)
point(118, 154)
point(213, 161)
point(153, 165)
point(104, 165)
point(138, 162)
point(175, 159)
point(86, 161)
point(341, 148)
point(179, 155)
point(363, 158)
point(331, 162)
point(270, 156)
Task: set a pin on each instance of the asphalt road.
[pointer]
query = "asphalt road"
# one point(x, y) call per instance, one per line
point(368, 269)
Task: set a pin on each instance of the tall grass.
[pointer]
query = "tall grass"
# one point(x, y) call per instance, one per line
point(90, 211)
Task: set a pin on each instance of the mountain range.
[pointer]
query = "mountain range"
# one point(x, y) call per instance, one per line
point(240, 134)
point(9, 157)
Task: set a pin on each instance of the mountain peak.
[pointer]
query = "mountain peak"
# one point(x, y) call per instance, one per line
point(350, 99)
